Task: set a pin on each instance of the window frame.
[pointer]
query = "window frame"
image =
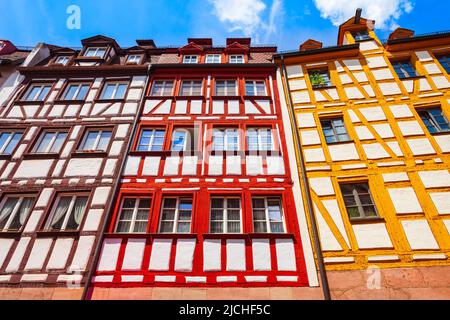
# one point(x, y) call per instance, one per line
point(117, 84)
point(79, 84)
point(403, 72)
point(139, 60)
point(70, 208)
point(255, 90)
point(226, 88)
point(134, 216)
point(225, 214)
point(323, 72)
point(41, 85)
point(100, 131)
point(21, 197)
point(357, 199)
point(41, 136)
point(268, 198)
point(336, 136)
point(213, 55)
point(232, 57)
point(9, 139)
point(431, 118)
point(153, 129)
point(226, 138)
point(62, 57)
point(260, 144)
point(188, 138)
point(96, 49)
point(191, 88)
point(446, 65)
point(164, 83)
point(187, 59)
point(176, 217)
point(356, 36)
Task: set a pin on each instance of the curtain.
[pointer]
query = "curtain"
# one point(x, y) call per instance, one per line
point(60, 212)
point(6, 211)
point(25, 208)
point(78, 209)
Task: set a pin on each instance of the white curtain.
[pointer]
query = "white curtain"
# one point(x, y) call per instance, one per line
point(25, 208)
point(6, 211)
point(61, 210)
point(78, 210)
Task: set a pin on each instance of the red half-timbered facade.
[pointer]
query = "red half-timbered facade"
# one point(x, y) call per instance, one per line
point(206, 194)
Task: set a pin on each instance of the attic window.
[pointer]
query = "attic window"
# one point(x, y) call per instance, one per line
point(63, 60)
point(237, 58)
point(134, 59)
point(98, 52)
point(361, 35)
point(190, 59)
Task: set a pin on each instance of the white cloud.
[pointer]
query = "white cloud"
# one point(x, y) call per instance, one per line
point(384, 12)
point(248, 17)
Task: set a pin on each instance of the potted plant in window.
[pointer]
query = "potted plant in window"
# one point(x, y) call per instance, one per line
point(317, 79)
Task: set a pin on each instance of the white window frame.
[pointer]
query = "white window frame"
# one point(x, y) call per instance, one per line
point(41, 87)
point(191, 88)
point(21, 197)
point(8, 141)
point(213, 57)
point(226, 87)
point(225, 215)
point(65, 59)
point(260, 144)
point(191, 59)
point(176, 215)
point(134, 216)
point(136, 58)
point(226, 138)
point(51, 143)
point(152, 139)
point(187, 140)
point(117, 84)
point(163, 92)
point(236, 58)
point(266, 209)
point(95, 50)
point(77, 92)
point(97, 140)
point(69, 210)
point(255, 87)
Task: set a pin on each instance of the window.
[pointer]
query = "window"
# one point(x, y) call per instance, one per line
point(134, 58)
point(255, 88)
point(182, 140)
point(76, 91)
point(151, 140)
point(190, 59)
point(162, 88)
point(225, 140)
point(335, 130)
point(361, 35)
point(267, 215)
point(435, 120)
point(176, 215)
point(37, 92)
point(358, 201)
point(226, 88)
point(9, 141)
point(213, 58)
point(445, 62)
point(191, 88)
point(260, 139)
point(68, 212)
point(236, 59)
point(319, 78)
point(64, 60)
point(96, 140)
point(225, 215)
point(14, 211)
point(114, 90)
point(95, 52)
point(50, 142)
point(134, 214)
point(404, 69)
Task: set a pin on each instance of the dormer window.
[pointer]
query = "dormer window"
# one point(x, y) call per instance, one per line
point(98, 52)
point(134, 59)
point(213, 58)
point(361, 35)
point(236, 58)
point(190, 59)
point(62, 60)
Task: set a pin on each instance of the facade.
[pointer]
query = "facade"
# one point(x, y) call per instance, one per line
point(64, 135)
point(371, 121)
point(205, 208)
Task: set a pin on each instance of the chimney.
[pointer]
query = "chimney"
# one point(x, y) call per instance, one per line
point(401, 33)
point(358, 15)
point(311, 45)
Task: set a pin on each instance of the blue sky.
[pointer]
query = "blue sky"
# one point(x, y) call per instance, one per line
point(286, 23)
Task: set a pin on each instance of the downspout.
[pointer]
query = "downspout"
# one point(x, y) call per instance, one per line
point(315, 233)
point(115, 191)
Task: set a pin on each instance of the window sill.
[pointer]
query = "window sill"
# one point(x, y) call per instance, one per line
point(412, 78)
point(70, 101)
point(190, 98)
point(441, 133)
point(28, 103)
point(364, 40)
point(263, 153)
point(226, 97)
point(89, 154)
point(340, 142)
point(153, 235)
point(367, 220)
point(41, 156)
point(109, 100)
point(10, 234)
point(323, 87)
point(159, 97)
point(57, 233)
point(5, 156)
point(265, 97)
point(165, 153)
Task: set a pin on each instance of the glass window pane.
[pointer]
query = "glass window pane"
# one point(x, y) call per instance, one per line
point(353, 212)
point(123, 226)
point(7, 210)
point(166, 227)
point(129, 203)
point(77, 213)
point(217, 215)
point(277, 227)
point(260, 227)
point(217, 203)
point(91, 138)
point(104, 140)
point(234, 227)
point(144, 203)
point(16, 136)
point(60, 213)
point(184, 227)
point(71, 91)
point(45, 142)
point(60, 138)
point(168, 214)
point(216, 227)
point(108, 91)
point(83, 92)
point(44, 93)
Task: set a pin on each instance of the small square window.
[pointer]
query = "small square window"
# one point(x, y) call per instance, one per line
point(358, 201)
point(404, 69)
point(50, 142)
point(319, 78)
point(255, 88)
point(236, 59)
point(176, 215)
point(225, 139)
point(435, 120)
point(76, 91)
point(361, 35)
point(63, 60)
point(114, 90)
point(134, 59)
point(226, 88)
point(260, 139)
point(213, 58)
point(134, 214)
point(14, 211)
point(162, 88)
point(335, 130)
point(445, 62)
point(190, 59)
point(67, 212)
point(9, 141)
point(183, 140)
point(37, 92)
point(96, 140)
point(225, 215)
point(267, 215)
point(98, 52)
point(151, 140)
point(191, 88)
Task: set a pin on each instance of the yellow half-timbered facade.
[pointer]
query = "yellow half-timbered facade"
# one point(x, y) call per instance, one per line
point(371, 121)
